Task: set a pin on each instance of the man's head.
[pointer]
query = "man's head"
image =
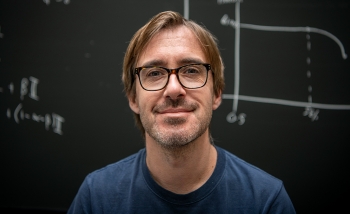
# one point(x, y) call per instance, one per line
point(164, 22)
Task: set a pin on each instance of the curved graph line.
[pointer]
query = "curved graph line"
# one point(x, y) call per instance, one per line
point(225, 20)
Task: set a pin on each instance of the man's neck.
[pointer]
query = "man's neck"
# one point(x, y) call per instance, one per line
point(181, 170)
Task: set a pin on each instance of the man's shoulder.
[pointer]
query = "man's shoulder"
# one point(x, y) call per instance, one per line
point(250, 182)
point(242, 170)
point(125, 166)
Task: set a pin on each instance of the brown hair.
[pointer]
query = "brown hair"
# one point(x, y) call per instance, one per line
point(170, 19)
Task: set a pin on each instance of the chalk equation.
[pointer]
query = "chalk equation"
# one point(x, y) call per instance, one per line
point(29, 88)
point(54, 120)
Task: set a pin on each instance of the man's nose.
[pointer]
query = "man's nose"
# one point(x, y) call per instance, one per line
point(174, 89)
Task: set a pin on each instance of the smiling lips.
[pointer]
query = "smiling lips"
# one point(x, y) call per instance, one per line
point(175, 107)
point(175, 110)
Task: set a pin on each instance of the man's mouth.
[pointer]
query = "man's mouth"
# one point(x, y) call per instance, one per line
point(175, 107)
point(175, 111)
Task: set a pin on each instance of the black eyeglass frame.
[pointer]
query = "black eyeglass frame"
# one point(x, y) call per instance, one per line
point(172, 71)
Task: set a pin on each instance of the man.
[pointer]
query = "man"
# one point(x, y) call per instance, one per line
point(173, 78)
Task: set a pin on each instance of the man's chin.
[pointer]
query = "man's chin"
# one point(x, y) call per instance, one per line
point(175, 142)
point(172, 135)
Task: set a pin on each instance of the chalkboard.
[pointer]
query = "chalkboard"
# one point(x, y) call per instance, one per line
point(63, 113)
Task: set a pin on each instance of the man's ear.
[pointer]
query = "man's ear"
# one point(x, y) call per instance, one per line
point(217, 100)
point(133, 104)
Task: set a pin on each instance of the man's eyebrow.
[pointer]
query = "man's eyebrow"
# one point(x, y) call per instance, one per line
point(184, 61)
point(190, 60)
point(155, 63)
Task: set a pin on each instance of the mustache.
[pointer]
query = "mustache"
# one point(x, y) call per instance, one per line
point(175, 103)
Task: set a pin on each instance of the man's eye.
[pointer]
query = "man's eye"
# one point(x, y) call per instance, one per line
point(154, 73)
point(191, 71)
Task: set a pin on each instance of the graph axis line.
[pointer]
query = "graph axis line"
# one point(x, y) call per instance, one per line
point(286, 102)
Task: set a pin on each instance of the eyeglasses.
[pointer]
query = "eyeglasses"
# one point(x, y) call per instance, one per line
point(190, 76)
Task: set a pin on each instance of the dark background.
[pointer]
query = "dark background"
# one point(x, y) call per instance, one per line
point(66, 114)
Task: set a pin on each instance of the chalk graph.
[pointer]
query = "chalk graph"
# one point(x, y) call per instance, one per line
point(311, 108)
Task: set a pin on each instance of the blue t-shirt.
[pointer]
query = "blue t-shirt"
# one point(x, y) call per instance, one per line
point(234, 187)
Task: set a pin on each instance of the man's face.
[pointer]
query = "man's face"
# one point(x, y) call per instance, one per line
point(174, 116)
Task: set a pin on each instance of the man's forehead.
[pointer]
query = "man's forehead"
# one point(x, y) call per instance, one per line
point(178, 45)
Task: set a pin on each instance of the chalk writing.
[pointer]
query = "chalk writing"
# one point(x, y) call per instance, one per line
point(311, 113)
point(29, 88)
point(232, 118)
point(54, 120)
point(33, 88)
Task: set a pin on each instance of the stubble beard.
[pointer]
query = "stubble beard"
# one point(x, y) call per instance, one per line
point(174, 137)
